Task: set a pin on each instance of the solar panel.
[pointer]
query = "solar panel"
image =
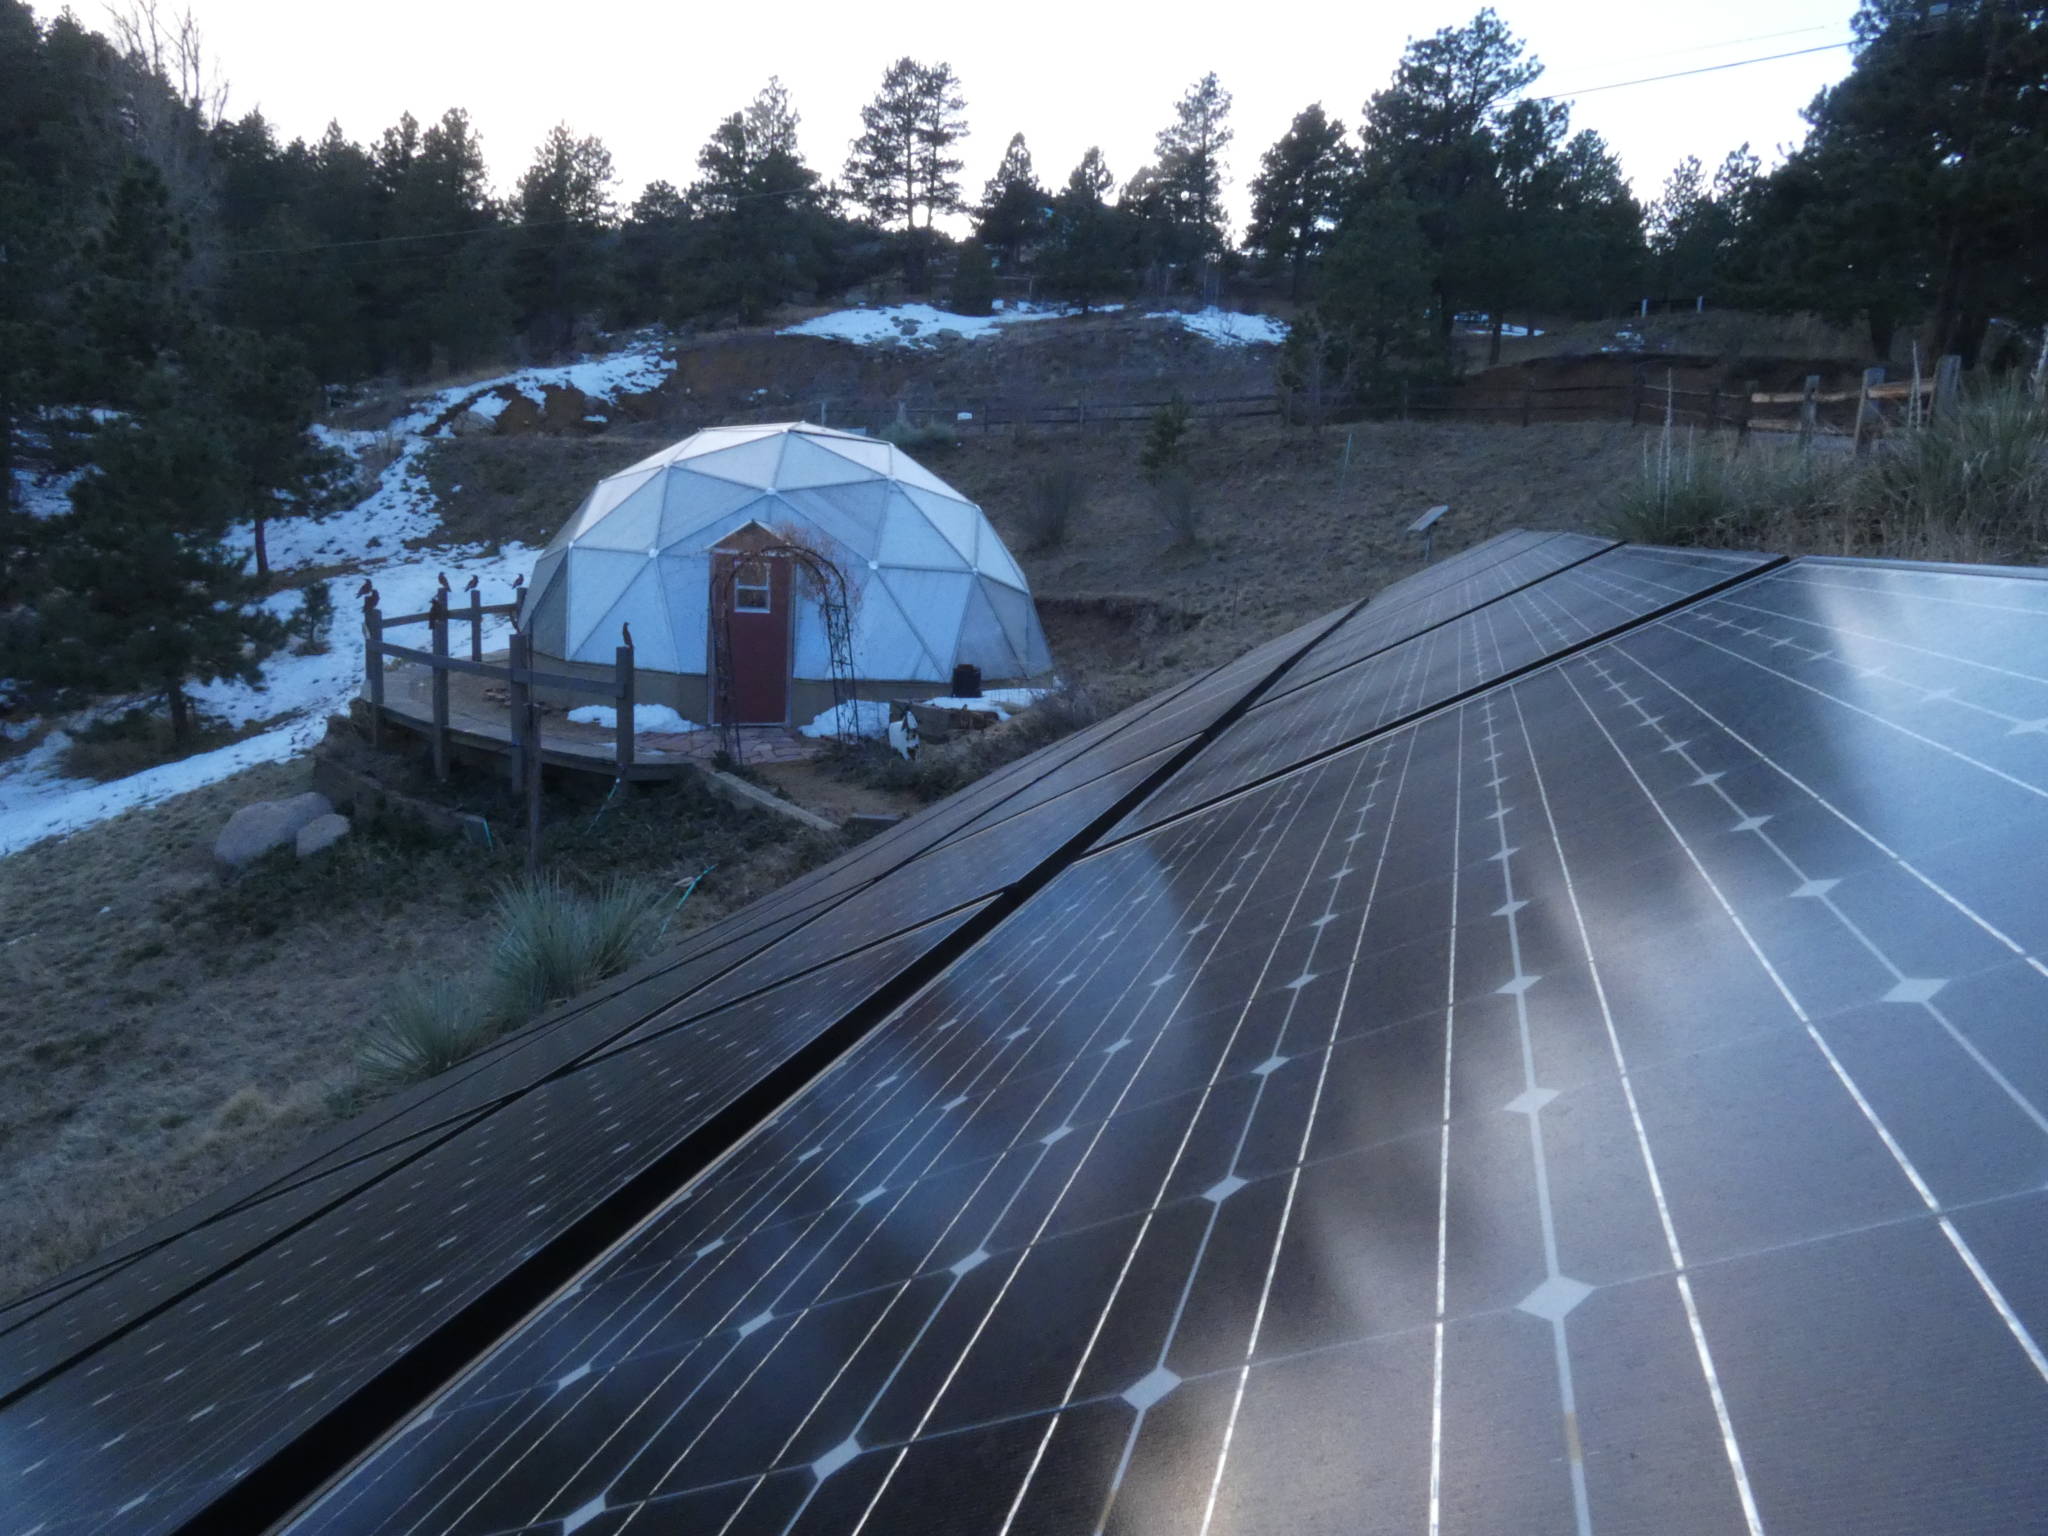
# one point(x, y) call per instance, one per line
point(285, 1347)
point(1571, 607)
point(1504, 1078)
point(1538, 1116)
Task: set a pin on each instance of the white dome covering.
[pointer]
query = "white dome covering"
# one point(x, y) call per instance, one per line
point(932, 584)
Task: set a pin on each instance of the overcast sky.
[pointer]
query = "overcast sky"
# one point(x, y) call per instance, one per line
point(652, 79)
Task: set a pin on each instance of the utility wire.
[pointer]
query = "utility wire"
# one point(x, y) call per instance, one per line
point(1680, 74)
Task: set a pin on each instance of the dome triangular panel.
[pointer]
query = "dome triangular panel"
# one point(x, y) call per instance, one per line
point(753, 463)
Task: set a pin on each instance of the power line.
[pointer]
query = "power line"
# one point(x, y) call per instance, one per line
point(1680, 74)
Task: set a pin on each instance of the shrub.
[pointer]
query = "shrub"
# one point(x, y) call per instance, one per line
point(309, 623)
point(555, 942)
point(430, 1024)
point(1166, 438)
point(117, 745)
point(919, 439)
point(1057, 495)
point(1175, 501)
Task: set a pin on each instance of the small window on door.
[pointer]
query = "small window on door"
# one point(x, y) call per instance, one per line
point(750, 589)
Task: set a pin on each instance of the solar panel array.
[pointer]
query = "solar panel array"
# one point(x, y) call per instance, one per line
point(1556, 1047)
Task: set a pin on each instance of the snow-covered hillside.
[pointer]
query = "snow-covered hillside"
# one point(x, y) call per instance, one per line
point(920, 325)
point(367, 540)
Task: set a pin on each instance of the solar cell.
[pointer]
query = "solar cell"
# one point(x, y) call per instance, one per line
point(1541, 1115)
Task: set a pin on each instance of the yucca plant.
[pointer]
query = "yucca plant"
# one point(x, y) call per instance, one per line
point(554, 942)
point(429, 1025)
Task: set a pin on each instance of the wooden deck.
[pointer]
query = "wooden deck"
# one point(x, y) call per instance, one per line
point(478, 721)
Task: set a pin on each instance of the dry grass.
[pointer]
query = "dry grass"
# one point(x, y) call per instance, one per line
point(1971, 486)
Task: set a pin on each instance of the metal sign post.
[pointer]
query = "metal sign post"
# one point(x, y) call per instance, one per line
point(1426, 526)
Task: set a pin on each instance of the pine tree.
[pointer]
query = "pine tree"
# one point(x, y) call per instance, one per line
point(902, 162)
point(1189, 170)
point(761, 225)
point(1087, 252)
point(564, 206)
point(1301, 187)
point(1433, 136)
point(1014, 207)
point(143, 590)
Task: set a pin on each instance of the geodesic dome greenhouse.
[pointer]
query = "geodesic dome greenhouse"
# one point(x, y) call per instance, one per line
point(929, 582)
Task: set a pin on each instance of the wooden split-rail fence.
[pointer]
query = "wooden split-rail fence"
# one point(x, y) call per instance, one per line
point(1808, 413)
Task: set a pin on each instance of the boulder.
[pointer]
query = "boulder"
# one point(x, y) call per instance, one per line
point(266, 824)
point(320, 833)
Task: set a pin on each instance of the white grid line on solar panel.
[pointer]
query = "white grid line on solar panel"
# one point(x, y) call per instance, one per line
point(407, 1114)
point(1375, 630)
point(450, 1099)
point(891, 1078)
point(413, 1264)
point(1904, 991)
point(1567, 609)
point(1451, 569)
point(177, 1252)
point(963, 1078)
point(1303, 777)
point(46, 1342)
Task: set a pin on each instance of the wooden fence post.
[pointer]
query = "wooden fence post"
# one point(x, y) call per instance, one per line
point(1872, 377)
point(532, 766)
point(516, 696)
point(622, 661)
point(1528, 398)
point(438, 620)
point(1809, 411)
point(1948, 378)
point(1751, 388)
point(373, 669)
point(476, 624)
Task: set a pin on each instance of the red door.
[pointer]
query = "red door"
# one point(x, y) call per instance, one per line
point(759, 599)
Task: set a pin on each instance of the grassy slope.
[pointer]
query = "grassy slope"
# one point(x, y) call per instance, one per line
point(191, 1030)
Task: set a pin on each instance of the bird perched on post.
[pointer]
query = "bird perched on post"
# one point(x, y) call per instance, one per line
point(470, 585)
point(626, 636)
point(367, 593)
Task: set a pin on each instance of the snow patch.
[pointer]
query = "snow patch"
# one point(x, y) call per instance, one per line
point(1000, 701)
point(634, 369)
point(1226, 327)
point(864, 717)
point(655, 718)
point(38, 802)
point(919, 325)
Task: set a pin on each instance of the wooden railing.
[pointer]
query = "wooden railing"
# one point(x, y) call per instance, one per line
point(518, 674)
